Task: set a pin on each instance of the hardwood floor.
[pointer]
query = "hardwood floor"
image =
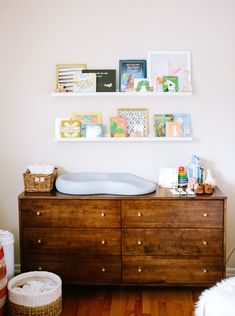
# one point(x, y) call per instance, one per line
point(129, 301)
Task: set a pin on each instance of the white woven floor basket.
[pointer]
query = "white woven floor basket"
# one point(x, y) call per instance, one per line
point(48, 303)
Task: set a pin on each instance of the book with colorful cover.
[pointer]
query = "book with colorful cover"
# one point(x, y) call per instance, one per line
point(170, 84)
point(184, 119)
point(84, 82)
point(118, 126)
point(130, 70)
point(174, 129)
point(160, 123)
point(69, 129)
point(86, 118)
point(93, 130)
point(144, 85)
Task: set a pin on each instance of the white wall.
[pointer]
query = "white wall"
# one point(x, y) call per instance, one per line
point(37, 35)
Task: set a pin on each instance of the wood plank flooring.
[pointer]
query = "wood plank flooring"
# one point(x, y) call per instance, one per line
point(128, 301)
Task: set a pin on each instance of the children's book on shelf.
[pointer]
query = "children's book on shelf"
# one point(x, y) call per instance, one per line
point(130, 70)
point(84, 82)
point(67, 128)
point(86, 118)
point(170, 84)
point(105, 79)
point(160, 121)
point(184, 119)
point(93, 130)
point(174, 129)
point(118, 126)
point(144, 85)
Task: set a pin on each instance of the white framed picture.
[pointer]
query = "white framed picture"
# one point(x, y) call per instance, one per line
point(65, 74)
point(170, 63)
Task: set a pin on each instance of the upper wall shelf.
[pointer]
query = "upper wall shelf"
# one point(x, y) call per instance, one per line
point(120, 94)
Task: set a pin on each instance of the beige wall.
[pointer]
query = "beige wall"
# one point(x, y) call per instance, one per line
point(36, 35)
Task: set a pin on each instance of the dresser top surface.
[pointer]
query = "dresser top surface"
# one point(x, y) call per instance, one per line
point(161, 193)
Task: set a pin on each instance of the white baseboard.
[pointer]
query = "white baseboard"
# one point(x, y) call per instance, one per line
point(230, 272)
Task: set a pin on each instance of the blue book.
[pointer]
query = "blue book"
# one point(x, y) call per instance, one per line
point(184, 119)
point(129, 70)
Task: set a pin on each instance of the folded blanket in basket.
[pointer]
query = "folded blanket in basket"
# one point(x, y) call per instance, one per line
point(34, 287)
point(41, 169)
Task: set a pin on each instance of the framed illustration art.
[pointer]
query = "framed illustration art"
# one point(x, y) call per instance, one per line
point(65, 76)
point(176, 65)
point(137, 121)
point(130, 70)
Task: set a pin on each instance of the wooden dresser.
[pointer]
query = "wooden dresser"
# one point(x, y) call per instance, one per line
point(155, 239)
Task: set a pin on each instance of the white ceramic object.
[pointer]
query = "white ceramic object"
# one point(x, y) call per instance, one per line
point(83, 183)
point(210, 179)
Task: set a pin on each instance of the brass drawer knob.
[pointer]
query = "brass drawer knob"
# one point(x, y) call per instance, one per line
point(205, 214)
point(38, 213)
point(205, 270)
point(39, 268)
point(139, 214)
point(39, 241)
point(139, 269)
point(205, 242)
point(103, 242)
point(103, 269)
point(139, 242)
point(102, 214)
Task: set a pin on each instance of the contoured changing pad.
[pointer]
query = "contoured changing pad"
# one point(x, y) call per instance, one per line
point(83, 183)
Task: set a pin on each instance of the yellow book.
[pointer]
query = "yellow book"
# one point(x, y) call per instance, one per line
point(86, 118)
point(70, 129)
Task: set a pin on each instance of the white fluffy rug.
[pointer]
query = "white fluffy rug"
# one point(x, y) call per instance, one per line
point(219, 300)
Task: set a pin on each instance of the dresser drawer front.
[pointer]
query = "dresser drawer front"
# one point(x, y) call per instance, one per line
point(176, 213)
point(95, 270)
point(157, 270)
point(84, 241)
point(70, 213)
point(174, 242)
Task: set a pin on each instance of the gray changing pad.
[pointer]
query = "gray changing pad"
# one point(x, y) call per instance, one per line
point(83, 183)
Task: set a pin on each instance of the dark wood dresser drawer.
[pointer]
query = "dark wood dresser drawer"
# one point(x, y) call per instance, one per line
point(70, 213)
point(83, 241)
point(172, 213)
point(74, 268)
point(174, 242)
point(153, 239)
point(158, 270)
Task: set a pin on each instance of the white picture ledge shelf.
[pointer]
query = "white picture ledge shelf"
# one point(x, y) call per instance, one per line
point(125, 139)
point(119, 94)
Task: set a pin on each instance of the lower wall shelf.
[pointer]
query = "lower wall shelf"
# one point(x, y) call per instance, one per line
point(125, 139)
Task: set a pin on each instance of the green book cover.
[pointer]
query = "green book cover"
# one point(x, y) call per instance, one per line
point(170, 84)
point(160, 123)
